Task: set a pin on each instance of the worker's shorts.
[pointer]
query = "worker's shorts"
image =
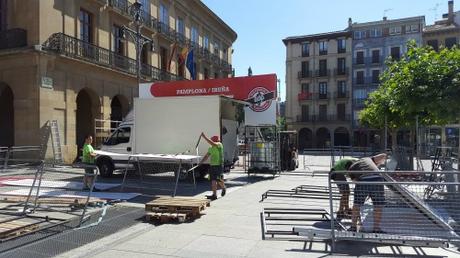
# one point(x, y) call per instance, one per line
point(216, 172)
point(343, 188)
point(375, 192)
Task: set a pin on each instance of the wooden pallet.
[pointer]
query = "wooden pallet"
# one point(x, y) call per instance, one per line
point(16, 227)
point(53, 200)
point(175, 208)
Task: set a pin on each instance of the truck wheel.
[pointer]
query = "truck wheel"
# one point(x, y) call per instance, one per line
point(105, 168)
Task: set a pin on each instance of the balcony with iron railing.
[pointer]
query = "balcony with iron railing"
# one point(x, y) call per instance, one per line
point(341, 94)
point(341, 71)
point(305, 96)
point(304, 74)
point(123, 7)
point(13, 38)
point(77, 49)
point(323, 73)
point(368, 60)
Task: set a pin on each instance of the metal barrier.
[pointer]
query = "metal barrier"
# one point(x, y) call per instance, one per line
point(319, 157)
point(35, 196)
point(263, 154)
point(393, 207)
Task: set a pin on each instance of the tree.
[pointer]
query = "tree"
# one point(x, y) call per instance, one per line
point(423, 83)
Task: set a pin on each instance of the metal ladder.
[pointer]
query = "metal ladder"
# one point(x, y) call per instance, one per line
point(56, 142)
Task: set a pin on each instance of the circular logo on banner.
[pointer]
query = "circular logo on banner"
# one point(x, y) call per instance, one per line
point(259, 97)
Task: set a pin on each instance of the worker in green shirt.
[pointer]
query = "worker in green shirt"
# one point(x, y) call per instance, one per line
point(216, 153)
point(88, 159)
point(338, 174)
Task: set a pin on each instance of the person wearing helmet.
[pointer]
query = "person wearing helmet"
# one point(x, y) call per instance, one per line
point(216, 155)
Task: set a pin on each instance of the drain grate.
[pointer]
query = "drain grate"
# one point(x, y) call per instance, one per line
point(52, 242)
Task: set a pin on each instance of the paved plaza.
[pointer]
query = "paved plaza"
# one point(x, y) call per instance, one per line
point(231, 227)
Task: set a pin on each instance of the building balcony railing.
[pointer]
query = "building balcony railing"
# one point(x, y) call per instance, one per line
point(13, 38)
point(323, 73)
point(324, 118)
point(163, 29)
point(305, 96)
point(304, 74)
point(369, 60)
point(341, 95)
point(341, 72)
point(74, 48)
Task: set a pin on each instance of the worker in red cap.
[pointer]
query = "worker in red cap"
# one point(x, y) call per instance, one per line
point(216, 152)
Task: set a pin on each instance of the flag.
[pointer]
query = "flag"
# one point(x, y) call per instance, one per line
point(173, 51)
point(190, 64)
point(183, 55)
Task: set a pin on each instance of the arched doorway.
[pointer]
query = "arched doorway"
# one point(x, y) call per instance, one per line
point(323, 138)
point(88, 109)
point(119, 109)
point(305, 139)
point(6, 116)
point(341, 137)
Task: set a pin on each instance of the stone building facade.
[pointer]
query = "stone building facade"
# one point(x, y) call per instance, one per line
point(68, 61)
point(318, 93)
point(373, 43)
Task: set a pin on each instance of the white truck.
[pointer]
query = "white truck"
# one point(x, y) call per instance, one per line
point(173, 125)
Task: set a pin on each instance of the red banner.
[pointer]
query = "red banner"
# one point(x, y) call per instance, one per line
point(259, 90)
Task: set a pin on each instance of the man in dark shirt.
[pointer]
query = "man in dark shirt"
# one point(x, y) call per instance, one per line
point(362, 191)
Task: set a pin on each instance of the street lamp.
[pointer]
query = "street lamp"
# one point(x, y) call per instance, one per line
point(139, 39)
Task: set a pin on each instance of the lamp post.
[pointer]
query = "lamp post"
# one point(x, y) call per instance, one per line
point(136, 35)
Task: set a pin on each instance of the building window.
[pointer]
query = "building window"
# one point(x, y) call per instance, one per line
point(164, 15)
point(412, 28)
point(375, 76)
point(341, 46)
point(118, 41)
point(322, 90)
point(434, 44)
point(360, 77)
point(322, 112)
point(145, 6)
point(450, 42)
point(305, 49)
point(375, 56)
point(216, 48)
point(180, 26)
point(395, 53)
point(375, 33)
point(395, 30)
point(323, 47)
point(341, 66)
point(194, 35)
point(145, 54)
point(341, 111)
point(305, 113)
point(305, 68)
point(305, 87)
point(341, 89)
point(3, 13)
point(163, 58)
point(225, 54)
point(359, 57)
point(206, 42)
point(206, 73)
point(86, 26)
point(323, 67)
point(359, 34)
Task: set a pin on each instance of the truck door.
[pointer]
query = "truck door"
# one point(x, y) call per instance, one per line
point(119, 141)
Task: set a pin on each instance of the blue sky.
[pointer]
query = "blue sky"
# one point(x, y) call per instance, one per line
point(262, 24)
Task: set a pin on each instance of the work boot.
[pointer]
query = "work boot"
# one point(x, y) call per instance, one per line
point(224, 191)
point(211, 197)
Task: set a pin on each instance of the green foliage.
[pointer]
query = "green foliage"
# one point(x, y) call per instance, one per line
point(424, 83)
